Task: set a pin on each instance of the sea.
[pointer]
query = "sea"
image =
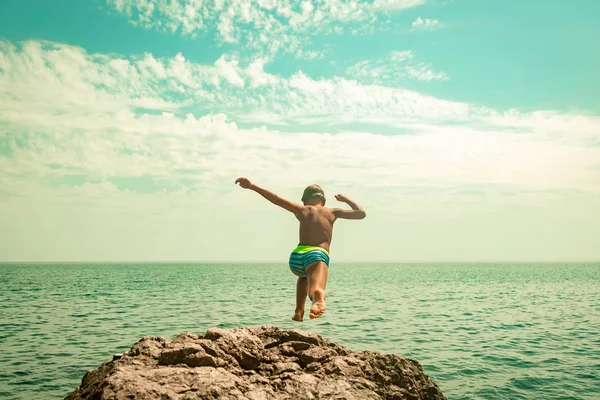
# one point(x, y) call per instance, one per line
point(480, 331)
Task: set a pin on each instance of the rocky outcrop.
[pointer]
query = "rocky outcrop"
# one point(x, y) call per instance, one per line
point(254, 363)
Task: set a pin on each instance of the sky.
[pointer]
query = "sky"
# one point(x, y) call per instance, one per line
point(468, 130)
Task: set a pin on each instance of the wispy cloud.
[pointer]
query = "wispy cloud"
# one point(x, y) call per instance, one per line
point(396, 4)
point(310, 54)
point(34, 72)
point(394, 70)
point(267, 26)
point(425, 24)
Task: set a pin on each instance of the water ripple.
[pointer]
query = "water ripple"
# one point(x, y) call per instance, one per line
point(480, 331)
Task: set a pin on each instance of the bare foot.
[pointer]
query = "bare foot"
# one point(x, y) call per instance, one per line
point(298, 315)
point(318, 305)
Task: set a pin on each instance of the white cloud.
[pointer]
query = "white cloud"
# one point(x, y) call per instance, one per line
point(65, 105)
point(268, 26)
point(422, 24)
point(397, 4)
point(398, 67)
point(33, 74)
point(229, 70)
point(88, 82)
point(258, 76)
point(309, 54)
point(196, 153)
point(307, 8)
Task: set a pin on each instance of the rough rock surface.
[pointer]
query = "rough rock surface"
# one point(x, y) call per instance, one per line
point(254, 363)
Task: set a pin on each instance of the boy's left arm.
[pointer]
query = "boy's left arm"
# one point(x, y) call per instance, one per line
point(272, 197)
point(356, 213)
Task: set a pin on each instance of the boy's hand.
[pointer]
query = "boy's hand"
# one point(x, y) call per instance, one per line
point(342, 198)
point(244, 182)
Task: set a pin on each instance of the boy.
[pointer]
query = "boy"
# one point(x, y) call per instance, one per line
point(310, 260)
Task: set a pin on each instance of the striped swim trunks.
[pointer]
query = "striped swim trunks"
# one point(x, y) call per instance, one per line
point(304, 256)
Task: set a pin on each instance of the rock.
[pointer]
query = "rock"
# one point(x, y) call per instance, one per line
point(265, 363)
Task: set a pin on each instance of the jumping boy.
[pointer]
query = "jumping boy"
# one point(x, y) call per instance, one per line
point(310, 260)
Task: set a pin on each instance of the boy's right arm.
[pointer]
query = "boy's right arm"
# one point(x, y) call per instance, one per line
point(356, 213)
point(272, 197)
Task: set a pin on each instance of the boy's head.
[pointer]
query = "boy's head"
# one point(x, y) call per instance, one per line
point(313, 195)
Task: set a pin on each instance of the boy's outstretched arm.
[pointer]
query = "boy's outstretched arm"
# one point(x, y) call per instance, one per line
point(272, 197)
point(356, 213)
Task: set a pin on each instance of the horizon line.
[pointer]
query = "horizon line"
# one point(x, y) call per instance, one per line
point(280, 262)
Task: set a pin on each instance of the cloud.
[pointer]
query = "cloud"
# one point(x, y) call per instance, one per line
point(309, 54)
point(34, 72)
point(398, 67)
point(268, 26)
point(187, 154)
point(426, 24)
point(70, 118)
point(397, 4)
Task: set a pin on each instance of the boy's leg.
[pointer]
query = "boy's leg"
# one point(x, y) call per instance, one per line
point(317, 281)
point(301, 293)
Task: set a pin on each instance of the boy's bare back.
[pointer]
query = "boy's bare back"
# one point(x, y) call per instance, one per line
point(316, 221)
point(316, 226)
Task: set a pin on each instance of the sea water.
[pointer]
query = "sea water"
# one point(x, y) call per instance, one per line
point(480, 331)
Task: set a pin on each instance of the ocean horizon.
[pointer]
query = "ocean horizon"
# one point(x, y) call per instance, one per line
point(480, 331)
point(338, 261)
